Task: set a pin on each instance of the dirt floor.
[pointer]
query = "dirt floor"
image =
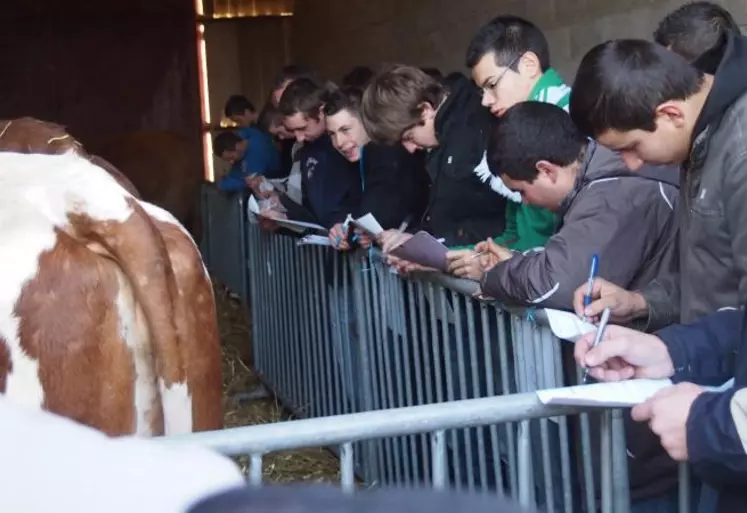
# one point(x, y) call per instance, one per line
point(310, 465)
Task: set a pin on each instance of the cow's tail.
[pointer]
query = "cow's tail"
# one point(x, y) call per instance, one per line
point(138, 248)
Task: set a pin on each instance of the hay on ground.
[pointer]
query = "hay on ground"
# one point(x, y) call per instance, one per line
point(308, 465)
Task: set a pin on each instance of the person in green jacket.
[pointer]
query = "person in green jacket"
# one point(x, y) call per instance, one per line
point(510, 61)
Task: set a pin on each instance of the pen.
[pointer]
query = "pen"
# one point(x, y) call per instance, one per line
point(476, 255)
point(590, 283)
point(600, 333)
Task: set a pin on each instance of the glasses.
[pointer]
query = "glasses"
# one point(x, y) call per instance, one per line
point(493, 88)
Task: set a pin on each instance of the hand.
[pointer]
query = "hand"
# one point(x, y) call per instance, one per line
point(624, 305)
point(666, 413)
point(623, 354)
point(253, 181)
point(362, 239)
point(469, 264)
point(404, 267)
point(392, 239)
point(496, 253)
point(264, 195)
point(338, 239)
point(267, 224)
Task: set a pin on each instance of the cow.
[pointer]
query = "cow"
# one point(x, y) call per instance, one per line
point(107, 314)
point(162, 166)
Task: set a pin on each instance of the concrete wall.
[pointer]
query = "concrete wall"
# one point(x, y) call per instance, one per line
point(334, 35)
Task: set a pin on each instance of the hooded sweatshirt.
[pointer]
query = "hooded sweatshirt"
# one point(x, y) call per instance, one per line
point(461, 207)
point(627, 219)
point(713, 220)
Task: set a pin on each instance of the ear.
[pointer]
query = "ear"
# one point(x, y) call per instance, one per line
point(529, 65)
point(427, 112)
point(672, 112)
point(547, 169)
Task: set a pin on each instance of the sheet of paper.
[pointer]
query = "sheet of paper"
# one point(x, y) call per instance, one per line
point(314, 240)
point(422, 248)
point(289, 223)
point(612, 395)
point(567, 325)
point(368, 224)
point(619, 394)
point(253, 205)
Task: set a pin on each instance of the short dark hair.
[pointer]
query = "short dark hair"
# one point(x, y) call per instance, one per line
point(508, 37)
point(225, 141)
point(346, 98)
point(433, 72)
point(237, 104)
point(269, 117)
point(359, 77)
point(304, 96)
point(392, 101)
point(529, 132)
point(694, 29)
point(619, 84)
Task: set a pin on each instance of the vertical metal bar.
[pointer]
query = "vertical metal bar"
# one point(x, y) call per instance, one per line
point(684, 488)
point(409, 349)
point(325, 343)
point(314, 338)
point(427, 340)
point(490, 392)
point(586, 450)
point(620, 484)
point(509, 381)
point(255, 470)
point(394, 457)
point(416, 362)
point(456, 463)
point(370, 298)
point(565, 447)
point(347, 469)
point(438, 456)
point(459, 303)
point(476, 391)
point(540, 348)
point(304, 298)
point(606, 461)
point(398, 346)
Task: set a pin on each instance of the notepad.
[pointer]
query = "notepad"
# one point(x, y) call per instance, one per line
point(621, 394)
point(424, 249)
point(314, 240)
point(567, 325)
point(291, 224)
point(368, 224)
point(253, 205)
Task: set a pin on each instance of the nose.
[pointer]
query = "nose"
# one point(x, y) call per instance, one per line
point(487, 99)
point(633, 161)
point(300, 138)
point(410, 146)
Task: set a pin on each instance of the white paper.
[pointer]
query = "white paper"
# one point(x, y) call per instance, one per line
point(368, 224)
point(618, 394)
point(314, 240)
point(567, 326)
point(289, 223)
point(253, 205)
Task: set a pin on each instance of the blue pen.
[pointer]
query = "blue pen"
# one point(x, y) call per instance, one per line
point(590, 284)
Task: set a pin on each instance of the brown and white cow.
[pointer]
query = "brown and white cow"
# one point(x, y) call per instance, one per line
point(107, 313)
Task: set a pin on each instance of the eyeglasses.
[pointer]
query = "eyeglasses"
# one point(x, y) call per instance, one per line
point(493, 88)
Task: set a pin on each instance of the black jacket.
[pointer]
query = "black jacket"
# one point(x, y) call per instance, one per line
point(394, 185)
point(330, 184)
point(462, 208)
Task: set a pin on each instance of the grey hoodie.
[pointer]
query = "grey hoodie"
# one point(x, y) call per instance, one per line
point(627, 219)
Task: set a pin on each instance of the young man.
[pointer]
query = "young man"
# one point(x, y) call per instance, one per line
point(664, 110)
point(241, 111)
point(627, 219)
point(402, 104)
point(255, 155)
point(510, 62)
point(330, 184)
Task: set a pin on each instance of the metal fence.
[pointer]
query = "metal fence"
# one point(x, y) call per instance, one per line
point(337, 334)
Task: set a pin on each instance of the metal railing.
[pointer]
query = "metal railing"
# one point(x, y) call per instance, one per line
point(338, 336)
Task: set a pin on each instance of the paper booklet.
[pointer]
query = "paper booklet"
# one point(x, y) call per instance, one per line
point(424, 249)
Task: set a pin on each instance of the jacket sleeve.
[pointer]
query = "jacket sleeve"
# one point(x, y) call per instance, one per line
point(231, 182)
point(381, 195)
point(662, 297)
point(735, 206)
point(704, 352)
point(602, 224)
point(717, 437)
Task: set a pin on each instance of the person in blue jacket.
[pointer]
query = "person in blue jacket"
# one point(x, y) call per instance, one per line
point(331, 185)
point(251, 153)
point(706, 428)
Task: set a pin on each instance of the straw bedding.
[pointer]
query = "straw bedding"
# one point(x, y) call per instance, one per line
point(310, 465)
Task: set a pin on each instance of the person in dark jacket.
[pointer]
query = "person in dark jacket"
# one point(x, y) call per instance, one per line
point(404, 105)
point(706, 428)
point(330, 185)
point(671, 112)
point(627, 219)
point(393, 181)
